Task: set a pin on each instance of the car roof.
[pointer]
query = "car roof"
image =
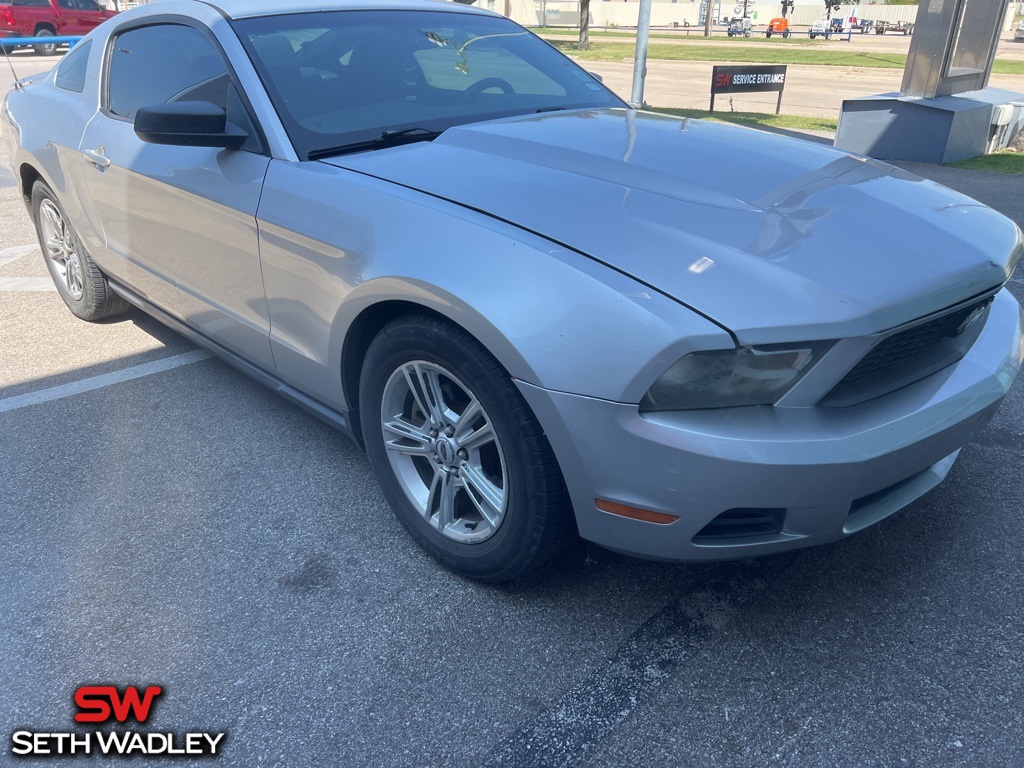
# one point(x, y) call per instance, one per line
point(246, 9)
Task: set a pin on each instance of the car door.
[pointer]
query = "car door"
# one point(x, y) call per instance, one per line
point(178, 222)
point(79, 17)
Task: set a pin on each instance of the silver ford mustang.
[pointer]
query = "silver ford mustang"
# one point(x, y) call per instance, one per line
point(540, 311)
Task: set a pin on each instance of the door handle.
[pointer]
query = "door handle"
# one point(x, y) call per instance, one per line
point(97, 157)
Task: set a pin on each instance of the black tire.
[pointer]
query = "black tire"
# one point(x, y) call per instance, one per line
point(767, 34)
point(787, 34)
point(535, 521)
point(79, 281)
point(44, 49)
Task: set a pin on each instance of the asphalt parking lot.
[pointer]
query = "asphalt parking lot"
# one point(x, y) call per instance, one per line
point(167, 521)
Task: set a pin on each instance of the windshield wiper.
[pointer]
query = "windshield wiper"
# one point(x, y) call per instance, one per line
point(386, 139)
point(550, 109)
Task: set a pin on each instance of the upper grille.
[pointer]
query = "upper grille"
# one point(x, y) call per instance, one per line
point(907, 356)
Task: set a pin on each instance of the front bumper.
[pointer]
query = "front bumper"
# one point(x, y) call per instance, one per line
point(829, 472)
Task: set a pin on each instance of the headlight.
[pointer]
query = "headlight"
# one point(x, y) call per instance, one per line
point(1016, 253)
point(732, 377)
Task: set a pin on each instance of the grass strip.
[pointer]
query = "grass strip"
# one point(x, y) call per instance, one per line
point(1003, 161)
point(793, 122)
point(760, 55)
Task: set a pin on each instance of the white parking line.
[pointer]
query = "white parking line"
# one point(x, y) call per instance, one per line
point(26, 284)
point(104, 380)
point(7, 255)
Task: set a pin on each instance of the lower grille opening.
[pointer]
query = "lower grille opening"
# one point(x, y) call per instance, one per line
point(741, 523)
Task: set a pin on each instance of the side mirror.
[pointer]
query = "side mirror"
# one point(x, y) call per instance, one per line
point(188, 124)
point(595, 76)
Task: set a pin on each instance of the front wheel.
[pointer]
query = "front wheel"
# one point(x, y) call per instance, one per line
point(460, 457)
point(787, 34)
point(78, 280)
point(44, 49)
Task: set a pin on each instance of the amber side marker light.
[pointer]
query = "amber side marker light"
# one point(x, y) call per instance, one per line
point(636, 514)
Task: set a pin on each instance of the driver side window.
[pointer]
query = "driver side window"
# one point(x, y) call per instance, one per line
point(164, 63)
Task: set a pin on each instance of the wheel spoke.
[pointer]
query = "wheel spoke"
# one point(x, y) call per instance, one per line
point(466, 419)
point(432, 380)
point(465, 435)
point(441, 503)
point(488, 498)
point(416, 379)
point(423, 444)
point(477, 438)
point(414, 389)
point(54, 219)
point(55, 248)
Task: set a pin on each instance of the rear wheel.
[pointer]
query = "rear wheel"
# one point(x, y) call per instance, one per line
point(44, 49)
point(79, 281)
point(462, 461)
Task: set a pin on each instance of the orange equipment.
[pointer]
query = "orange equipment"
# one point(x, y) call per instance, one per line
point(778, 26)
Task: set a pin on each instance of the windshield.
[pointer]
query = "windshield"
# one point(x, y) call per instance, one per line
point(346, 77)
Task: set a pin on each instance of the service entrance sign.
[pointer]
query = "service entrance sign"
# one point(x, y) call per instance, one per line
point(753, 79)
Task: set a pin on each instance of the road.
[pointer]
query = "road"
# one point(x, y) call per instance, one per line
point(185, 527)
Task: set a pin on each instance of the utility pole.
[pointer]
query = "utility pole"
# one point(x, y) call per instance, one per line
point(643, 33)
point(707, 17)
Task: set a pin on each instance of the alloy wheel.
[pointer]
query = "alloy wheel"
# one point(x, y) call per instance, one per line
point(444, 451)
point(61, 249)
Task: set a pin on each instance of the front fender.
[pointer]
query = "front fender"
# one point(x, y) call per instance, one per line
point(335, 243)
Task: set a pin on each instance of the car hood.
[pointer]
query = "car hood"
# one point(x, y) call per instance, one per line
point(773, 238)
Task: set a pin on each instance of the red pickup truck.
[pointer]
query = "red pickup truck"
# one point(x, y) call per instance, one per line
point(49, 18)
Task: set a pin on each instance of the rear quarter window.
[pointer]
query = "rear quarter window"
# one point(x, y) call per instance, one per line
point(72, 68)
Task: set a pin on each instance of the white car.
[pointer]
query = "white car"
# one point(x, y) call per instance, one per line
point(1019, 33)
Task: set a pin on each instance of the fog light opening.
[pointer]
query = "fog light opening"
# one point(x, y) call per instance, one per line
point(742, 523)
